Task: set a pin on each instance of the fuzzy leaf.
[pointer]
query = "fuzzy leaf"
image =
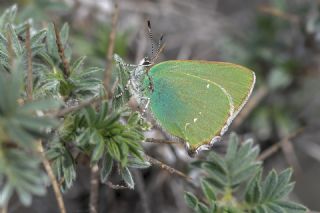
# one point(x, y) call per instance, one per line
point(114, 150)
point(208, 191)
point(51, 42)
point(64, 33)
point(202, 208)
point(232, 146)
point(292, 207)
point(127, 177)
point(8, 16)
point(191, 200)
point(107, 164)
point(138, 163)
point(98, 151)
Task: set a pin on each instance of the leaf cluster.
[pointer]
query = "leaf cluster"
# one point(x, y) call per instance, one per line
point(101, 135)
point(233, 183)
point(21, 123)
point(107, 133)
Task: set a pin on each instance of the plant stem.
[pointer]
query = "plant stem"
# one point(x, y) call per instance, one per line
point(94, 189)
point(53, 179)
point(29, 60)
point(168, 168)
point(65, 63)
point(112, 37)
point(83, 104)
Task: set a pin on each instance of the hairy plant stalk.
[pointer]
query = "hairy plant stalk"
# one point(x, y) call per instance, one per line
point(54, 182)
point(29, 66)
point(65, 63)
point(167, 168)
point(81, 105)
point(112, 37)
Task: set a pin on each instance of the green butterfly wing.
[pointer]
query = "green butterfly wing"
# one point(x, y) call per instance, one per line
point(197, 100)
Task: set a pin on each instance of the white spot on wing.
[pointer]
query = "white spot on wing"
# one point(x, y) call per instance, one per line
point(185, 126)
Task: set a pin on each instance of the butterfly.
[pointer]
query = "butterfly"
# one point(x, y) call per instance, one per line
point(194, 100)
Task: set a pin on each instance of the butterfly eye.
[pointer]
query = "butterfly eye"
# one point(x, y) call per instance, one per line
point(146, 62)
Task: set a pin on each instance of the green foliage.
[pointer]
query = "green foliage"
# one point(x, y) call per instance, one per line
point(20, 172)
point(21, 125)
point(62, 163)
point(81, 82)
point(108, 136)
point(20, 128)
point(121, 95)
point(101, 135)
point(39, 9)
point(233, 184)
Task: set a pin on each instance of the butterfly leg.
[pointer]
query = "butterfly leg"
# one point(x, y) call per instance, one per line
point(151, 85)
point(146, 104)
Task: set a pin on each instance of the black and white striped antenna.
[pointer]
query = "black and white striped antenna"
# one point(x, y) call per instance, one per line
point(150, 37)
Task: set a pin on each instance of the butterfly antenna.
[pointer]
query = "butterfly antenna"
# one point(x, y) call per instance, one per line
point(150, 37)
point(159, 50)
point(159, 43)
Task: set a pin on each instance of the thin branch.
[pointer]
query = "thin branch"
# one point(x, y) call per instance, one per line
point(112, 37)
point(4, 209)
point(275, 147)
point(252, 103)
point(142, 191)
point(53, 179)
point(291, 157)
point(116, 186)
point(65, 63)
point(45, 161)
point(279, 13)
point(29, 65)
point(167, 168)
point(161, 141)
point(83, 104)
point(94, 189)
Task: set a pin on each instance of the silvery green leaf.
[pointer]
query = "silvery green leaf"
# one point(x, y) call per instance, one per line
point(291, 207)
point(51, 42)
point(37, 38)
point(191, 200)
point(64, 33)
point(232, 146)
point(15, 41)
point(8, 16)
point(5, 194)
point(208, 191)
point(138, 163)
point(107, 164)
point(76, 66)
point(202, 208)
point(127, 177)
point(98, 151)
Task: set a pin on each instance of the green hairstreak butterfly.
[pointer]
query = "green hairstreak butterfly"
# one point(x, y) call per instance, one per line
point(193, 100)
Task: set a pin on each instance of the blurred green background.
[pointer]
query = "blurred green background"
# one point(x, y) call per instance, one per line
point(278, 39)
